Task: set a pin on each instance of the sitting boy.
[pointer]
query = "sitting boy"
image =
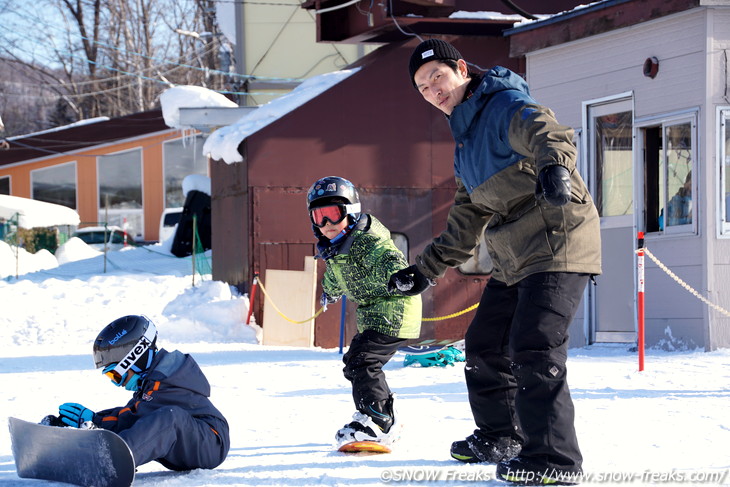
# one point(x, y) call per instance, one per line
point(170, 418)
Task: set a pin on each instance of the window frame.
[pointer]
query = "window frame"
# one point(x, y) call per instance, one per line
point(723, 153)
point(10, 184)
point(617, 103)
point(662, 122)
point(196, 143)
point(116, 216)
point(46, 169)
point(399, 239)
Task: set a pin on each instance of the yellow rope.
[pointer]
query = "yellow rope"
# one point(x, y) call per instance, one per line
point(453, 315)
point(319, 312)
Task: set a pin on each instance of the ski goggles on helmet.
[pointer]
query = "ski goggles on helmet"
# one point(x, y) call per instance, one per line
point(332, 213)
point(113, 374)
point(117, 371)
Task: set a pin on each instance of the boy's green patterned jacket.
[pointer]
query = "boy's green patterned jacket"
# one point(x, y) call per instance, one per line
point(360, 269)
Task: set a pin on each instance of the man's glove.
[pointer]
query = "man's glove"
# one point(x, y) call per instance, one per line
point(553, 183)
point(409, 282)
point(74, 414)
point(326, 299)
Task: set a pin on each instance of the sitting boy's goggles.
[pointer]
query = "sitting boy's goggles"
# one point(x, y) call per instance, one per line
point(110, 372)
point(332, 213)
point(117, 371)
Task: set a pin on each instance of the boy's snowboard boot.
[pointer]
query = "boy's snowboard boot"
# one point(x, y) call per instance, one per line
point(375, 422)
point(479, 449)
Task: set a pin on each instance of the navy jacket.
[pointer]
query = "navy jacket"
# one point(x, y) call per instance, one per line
point(174, 379)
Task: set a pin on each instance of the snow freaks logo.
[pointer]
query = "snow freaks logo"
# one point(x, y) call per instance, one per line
point(416, 475)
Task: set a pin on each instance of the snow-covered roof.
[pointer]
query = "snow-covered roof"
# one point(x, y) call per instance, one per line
point(34, 213)
point(525, 24)
point(187, 96)
point(80, 123)
point(223, 143)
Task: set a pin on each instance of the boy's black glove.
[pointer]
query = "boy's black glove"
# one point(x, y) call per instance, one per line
point(409, 282)
point(326, 299)
point(553, 183)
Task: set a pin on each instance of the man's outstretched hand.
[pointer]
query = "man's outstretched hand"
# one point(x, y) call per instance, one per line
point(409, 282)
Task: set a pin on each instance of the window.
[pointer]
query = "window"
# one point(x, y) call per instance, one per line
point(401, 242)
point(182, 157)
point(613, 162)
point(55, 184)
point(669, 186)
point(724, 167)
point(120, 191)
point(5, 185)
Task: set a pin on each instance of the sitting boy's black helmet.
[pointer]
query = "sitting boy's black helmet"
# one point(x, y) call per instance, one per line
point(130, 341)
point(329, 189)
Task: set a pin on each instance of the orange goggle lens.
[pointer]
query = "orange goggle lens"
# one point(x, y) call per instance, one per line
point(112, 374)
point(319, 216)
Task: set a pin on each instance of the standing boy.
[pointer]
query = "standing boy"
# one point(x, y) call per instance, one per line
point(518, 187)
point(360, 257)
point(170, 418)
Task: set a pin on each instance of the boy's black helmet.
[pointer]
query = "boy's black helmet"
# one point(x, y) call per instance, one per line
point(130, 341)
point(330, 189)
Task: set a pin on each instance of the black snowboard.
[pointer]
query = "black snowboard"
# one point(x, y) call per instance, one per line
point(87, 457)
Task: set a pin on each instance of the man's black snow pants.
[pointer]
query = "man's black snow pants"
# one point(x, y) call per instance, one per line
point(516, 352)
point(369, 352)
point(177, 440)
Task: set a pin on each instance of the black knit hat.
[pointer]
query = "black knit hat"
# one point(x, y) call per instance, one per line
point(431, 50)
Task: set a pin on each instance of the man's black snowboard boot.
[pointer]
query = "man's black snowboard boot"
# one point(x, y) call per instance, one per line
point(478, 449)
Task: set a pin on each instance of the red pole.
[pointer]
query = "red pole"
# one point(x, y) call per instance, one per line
point(253, 295)
point(640, 265)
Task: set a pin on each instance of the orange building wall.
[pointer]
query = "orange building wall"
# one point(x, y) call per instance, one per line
point(87, 199)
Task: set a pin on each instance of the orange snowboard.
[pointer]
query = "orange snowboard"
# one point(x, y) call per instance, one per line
point(364, 446)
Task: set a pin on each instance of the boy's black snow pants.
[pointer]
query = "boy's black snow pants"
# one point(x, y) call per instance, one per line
point(369, 352)
point(516, 352)
point(177, 440)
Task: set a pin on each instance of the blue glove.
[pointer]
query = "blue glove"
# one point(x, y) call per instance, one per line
point(409, 282)
point(327, 299)
point(553, 183)
point(74, 414)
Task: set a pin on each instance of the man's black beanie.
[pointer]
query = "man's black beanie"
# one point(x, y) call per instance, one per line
point(431, 50)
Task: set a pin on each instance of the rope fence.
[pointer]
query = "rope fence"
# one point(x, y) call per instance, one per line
point(271, 301)
point(679, 281)
point(257, 282)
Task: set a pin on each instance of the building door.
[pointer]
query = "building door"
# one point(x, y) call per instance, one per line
point(611, 180)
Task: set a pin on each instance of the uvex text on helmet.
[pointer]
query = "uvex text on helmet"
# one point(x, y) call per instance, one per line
point(126, 339)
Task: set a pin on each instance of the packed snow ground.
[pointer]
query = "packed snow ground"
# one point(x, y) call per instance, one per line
point(666, 425)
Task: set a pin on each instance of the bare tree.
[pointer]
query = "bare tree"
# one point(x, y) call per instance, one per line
point(109, 57)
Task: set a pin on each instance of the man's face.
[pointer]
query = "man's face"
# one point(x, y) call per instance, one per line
point(441, 86)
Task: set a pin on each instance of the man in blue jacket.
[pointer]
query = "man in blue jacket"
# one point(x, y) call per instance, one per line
point(170, 418)
point(518, 187)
